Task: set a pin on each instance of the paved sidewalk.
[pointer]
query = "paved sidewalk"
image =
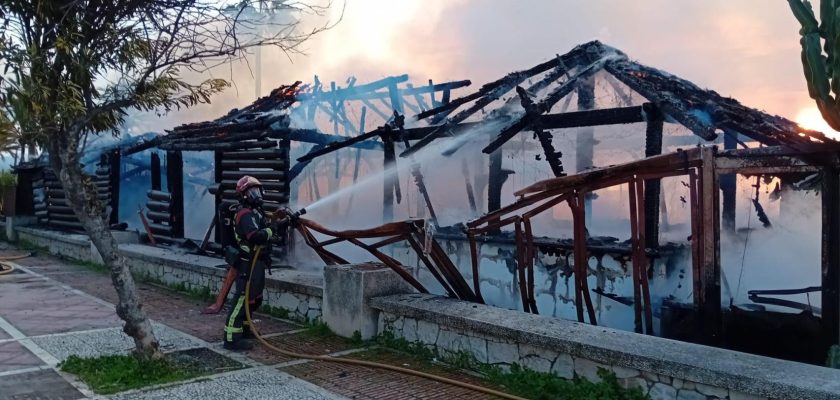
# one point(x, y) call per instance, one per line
point(50, 309)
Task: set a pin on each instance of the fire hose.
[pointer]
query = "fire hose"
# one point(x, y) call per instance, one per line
point(350, 361)
point(6, 267)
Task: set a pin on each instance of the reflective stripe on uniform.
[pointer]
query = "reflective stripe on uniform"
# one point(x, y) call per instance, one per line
point(229, 328)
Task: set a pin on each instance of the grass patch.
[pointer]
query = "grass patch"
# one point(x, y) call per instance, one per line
point(88, 265)
point(30, 246)
point(112, 374)
point(517, 380)
point(319, 329)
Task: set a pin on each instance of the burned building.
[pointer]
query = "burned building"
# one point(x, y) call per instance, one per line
point(588, 187)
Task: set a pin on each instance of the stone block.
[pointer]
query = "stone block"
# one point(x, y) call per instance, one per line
point(535, 363)
point(478, 348)
point(12, 223)
point(637, 382)
point(502, 353)
point(623, 373)
point(409, 331)
point(661, 391)
point(683, 394)
point(427, 332)
point(452, 341)
point(588, 369)
point(564, 366)
point(347, 291)
point(712, 391)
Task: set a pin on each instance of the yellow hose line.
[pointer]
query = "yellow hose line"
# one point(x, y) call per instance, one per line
point(9, 267)
point(350, 361)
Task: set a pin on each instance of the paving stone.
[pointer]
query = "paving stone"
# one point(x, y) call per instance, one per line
point(39, 307)
point(41, 385)
point(263, 383)
point(359, 382)
point(14, 356)
point(109, 341)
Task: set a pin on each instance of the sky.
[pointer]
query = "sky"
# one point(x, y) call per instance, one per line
point(746, 49)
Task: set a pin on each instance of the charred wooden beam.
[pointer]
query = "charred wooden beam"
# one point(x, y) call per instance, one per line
point(388, 181)
point(356, 89)
point(238, 164)
point(115, 168)
point(163, 206)
point(495, 89)
point(161, 229)
point(68, 225)
point(271, 154)
point(545, 105)
point(225, 146)
point(421, 187)
point(261, 175)
point(653, 187)
point(159, 216)
point(552, 156)
point(175, 185)
point(155, 171)
point(230, 184)
point(728, 185)
point(831, 255)
point(159, 196)
point(710, 308)
point(496, 178)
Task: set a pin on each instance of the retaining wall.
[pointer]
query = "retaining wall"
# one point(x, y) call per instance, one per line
point(662, 368)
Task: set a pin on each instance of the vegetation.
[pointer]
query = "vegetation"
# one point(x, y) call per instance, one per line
point(518, 380)
point(112, 374)
point(7, 179)
point(833, 359)
point(75, 69)
point(821, 55)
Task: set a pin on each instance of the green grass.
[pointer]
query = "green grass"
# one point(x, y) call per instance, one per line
point(517, 380)
point(112, 374)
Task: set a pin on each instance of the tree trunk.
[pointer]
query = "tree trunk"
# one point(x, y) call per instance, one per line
point(81, 194)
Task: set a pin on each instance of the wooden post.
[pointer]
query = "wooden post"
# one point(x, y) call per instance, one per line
point(585, 139)
point(728, 184)
point(496, 179)
point(217, 177)
point(710, 311)
point(175, 186)
point(155, 171)
point(653, 147)
point(389, 154)
point(114, 184)
point(831, 256)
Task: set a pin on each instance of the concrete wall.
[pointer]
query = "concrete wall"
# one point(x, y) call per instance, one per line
point(662, 368)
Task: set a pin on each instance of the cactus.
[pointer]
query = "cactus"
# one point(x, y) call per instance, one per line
point(833, 359)
point(821, 64)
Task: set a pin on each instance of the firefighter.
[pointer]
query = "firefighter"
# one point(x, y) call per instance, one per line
point(252, 229)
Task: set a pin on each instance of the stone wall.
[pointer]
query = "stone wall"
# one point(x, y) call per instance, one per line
point(662, 368)
point(75, 246)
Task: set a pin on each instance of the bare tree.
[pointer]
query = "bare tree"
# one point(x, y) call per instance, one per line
point(79, 65)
